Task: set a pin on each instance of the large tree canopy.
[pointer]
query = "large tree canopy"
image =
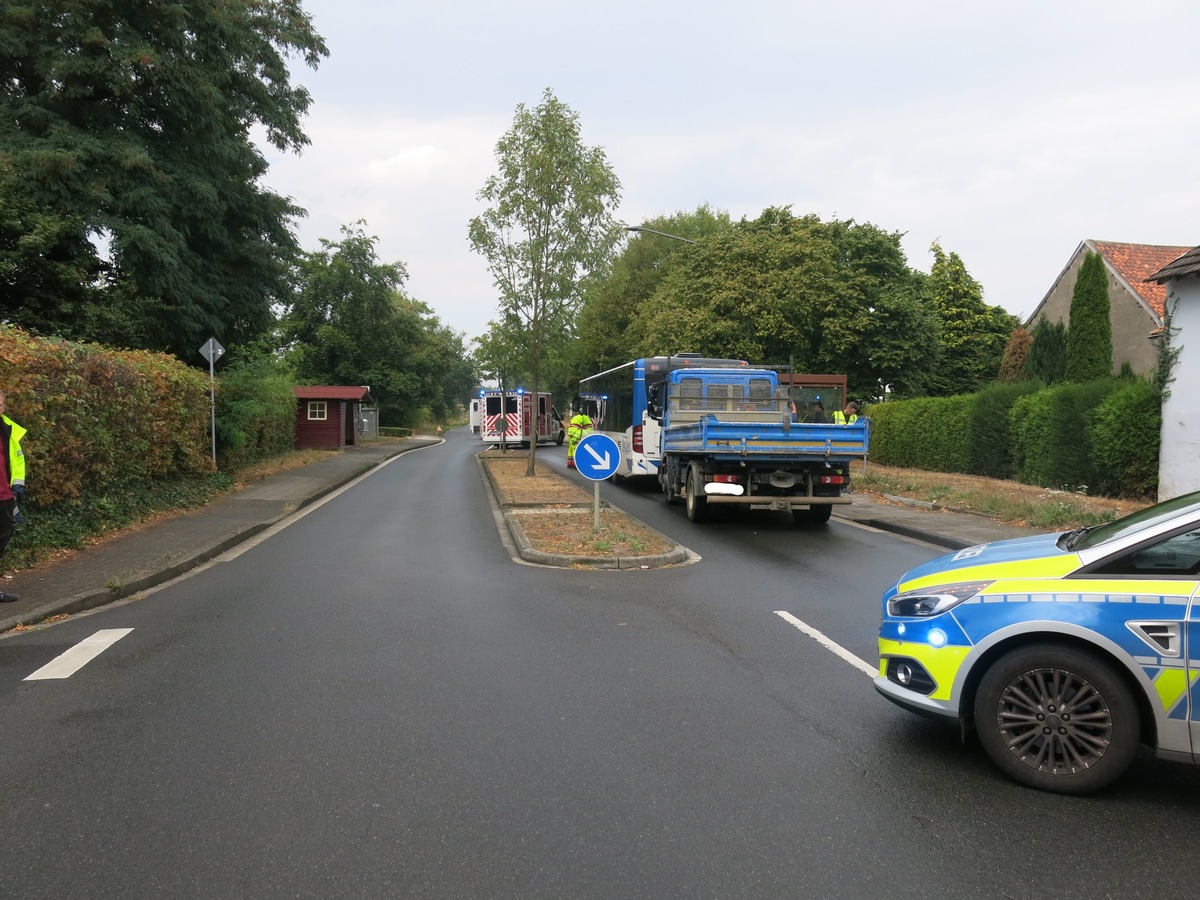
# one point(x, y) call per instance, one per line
point(131, 208)
point(548, 225)
point(834, 297)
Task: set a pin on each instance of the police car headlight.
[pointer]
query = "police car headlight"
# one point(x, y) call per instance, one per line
point(933, 601)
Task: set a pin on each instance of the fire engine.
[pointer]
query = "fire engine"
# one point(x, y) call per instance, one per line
point(509, 415)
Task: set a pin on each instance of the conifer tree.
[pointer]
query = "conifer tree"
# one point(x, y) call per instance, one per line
point(1089, 335)
point(1047, 358)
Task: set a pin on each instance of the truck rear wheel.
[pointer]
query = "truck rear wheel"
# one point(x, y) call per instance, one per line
point(697, 503)
point(812, 515)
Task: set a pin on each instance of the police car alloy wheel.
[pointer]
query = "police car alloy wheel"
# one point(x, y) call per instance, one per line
point(1057, 718)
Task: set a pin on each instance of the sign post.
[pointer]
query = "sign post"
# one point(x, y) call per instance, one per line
point(212, 352)
point(596, 458)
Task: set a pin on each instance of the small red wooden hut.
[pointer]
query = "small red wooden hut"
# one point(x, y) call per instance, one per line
point(327, 417)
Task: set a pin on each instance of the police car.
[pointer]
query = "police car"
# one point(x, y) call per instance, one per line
point(1062, 651)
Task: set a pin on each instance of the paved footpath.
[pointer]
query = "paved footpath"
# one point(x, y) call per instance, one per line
point(140, 559)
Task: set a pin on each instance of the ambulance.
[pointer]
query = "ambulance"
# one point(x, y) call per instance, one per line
point(517, 417)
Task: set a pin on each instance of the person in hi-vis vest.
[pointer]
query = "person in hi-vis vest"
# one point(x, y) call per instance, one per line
point(847, 416)
point(579, 426)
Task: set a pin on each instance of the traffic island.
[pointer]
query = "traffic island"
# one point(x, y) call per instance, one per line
point(551, 519)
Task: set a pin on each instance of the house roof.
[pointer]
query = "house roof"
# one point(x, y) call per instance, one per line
point(332, 392)
point(1188, 264)
point(1134, 264)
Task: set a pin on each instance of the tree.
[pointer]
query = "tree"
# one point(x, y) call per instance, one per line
point(1047, 359)
point(833, 297)
point(973, 333)
point(131, 203)
point(349, 322)
point(611, 304)
point(549, 224)
point(1016, 351)
point(1089, 335)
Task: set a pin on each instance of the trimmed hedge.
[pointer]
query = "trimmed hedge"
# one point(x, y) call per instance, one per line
point(924, 433)
point(101, 418)
point(1102, 436)
point(989, 438)
point(1126, 433)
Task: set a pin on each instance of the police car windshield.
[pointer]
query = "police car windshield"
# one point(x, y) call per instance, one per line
point(1186, 506)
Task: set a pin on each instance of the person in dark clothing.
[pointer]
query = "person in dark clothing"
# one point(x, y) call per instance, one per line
point(817, 415)
point(12, 480)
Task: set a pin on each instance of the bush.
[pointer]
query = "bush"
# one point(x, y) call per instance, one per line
point(925, 433)
point(99, 419)
point(989, 443)
point(1125, 435)
point(256, 412)
point(1050, 435)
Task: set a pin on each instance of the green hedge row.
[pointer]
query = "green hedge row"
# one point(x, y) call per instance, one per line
point(1099, 437)
point(102, 420)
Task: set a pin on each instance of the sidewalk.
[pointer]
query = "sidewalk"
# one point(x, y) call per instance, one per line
point(144, 558)
point(150, 556)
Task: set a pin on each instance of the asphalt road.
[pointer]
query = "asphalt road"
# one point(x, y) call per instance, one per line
point(377, 701)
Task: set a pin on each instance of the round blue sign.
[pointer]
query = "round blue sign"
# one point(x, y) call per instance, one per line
point(596, 457)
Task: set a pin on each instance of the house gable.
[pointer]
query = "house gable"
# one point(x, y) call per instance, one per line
point(1135, 305)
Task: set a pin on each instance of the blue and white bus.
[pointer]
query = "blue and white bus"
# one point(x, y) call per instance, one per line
point(618, 399)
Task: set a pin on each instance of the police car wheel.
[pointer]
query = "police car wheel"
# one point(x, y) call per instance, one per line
point(561, 435)
point(1057, 718)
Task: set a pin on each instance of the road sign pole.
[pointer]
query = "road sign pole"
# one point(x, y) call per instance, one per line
point(212, 352)
point(595, 506)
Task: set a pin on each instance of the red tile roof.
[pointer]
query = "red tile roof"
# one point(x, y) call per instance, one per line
point(331, 392)
point(1137, 262)
point(1188, 264)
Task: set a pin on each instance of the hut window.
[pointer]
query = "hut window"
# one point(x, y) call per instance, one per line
point(317, 411)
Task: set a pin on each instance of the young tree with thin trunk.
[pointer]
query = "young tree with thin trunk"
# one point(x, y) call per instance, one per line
point(548, 226)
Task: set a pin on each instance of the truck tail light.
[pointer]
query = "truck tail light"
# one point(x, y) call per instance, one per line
point(637, 439)
point(831, 479)
point(727, 479)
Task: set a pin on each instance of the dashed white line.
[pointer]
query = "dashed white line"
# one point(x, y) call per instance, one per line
point(68, 663)
point(828, 644)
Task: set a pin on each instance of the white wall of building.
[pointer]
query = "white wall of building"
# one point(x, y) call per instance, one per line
point(1179, 454)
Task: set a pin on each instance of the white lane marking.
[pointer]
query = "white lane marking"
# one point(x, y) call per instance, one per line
point(828, 644)
point(68, 663)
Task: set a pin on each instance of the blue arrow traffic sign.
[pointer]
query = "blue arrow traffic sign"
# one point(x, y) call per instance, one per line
point(596, 457)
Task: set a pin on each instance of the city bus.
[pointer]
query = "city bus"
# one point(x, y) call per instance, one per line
point(617, 401)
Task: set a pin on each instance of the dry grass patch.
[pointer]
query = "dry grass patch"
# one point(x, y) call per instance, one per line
point(1006, 501)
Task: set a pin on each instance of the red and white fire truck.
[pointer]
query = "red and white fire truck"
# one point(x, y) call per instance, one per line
point(509, 415)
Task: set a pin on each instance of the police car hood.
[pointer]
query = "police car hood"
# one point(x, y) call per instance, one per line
point(999, 552)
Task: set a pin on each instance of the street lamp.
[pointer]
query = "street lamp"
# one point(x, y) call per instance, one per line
point(640, 228)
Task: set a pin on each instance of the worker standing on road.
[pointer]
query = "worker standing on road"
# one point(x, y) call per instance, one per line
point(848, 416)
point(580, 425)
point(12, 480)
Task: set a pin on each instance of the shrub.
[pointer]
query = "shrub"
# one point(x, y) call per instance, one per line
point(256, 411)
point(1050, 434)
point(989, 442)
point(1125, 435)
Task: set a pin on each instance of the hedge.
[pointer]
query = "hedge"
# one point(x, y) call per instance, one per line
point(1099, 437)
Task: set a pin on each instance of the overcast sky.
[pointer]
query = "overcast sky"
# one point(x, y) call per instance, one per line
point(1008, 132)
